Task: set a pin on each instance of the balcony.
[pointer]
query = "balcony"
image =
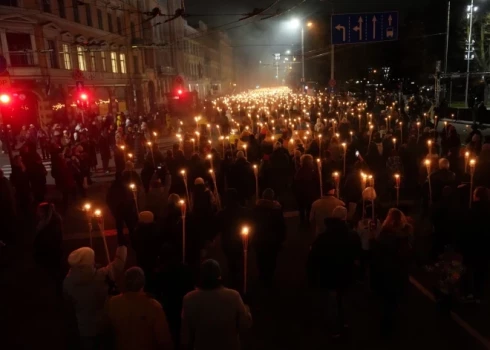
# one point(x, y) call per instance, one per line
point(166, 70)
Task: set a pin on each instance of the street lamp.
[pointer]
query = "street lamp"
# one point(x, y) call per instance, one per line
point(470, 9)
point(296, 23)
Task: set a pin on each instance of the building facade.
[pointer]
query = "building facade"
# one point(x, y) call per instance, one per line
point(126, 58)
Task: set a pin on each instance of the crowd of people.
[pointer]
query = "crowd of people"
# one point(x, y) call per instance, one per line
point(348, 164)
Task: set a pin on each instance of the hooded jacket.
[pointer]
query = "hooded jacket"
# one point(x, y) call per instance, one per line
point(87, 289)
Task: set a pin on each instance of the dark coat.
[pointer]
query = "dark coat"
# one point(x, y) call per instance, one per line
point(332, 256)
point(269, 225)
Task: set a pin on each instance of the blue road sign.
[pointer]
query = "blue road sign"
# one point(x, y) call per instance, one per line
point(352, 28)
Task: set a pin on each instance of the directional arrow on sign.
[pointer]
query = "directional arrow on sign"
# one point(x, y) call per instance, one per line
point(390, 19)
point(342, 28)
point(359, 28)
point(374, 27)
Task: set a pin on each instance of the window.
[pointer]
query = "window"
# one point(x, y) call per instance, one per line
point(136, 64)
point(82, 64)
point(133, 30)
point(92, 61)
point(88, 11)
point(109, 21)
point(76, 14)
point(104, 61)
point(119, 25)
point(9, 3)
point(65, 54)
point(99, 19)
point(53, 54)
point(61, 8)
point(47, 6)
point(114, 62)
point(20, 49)
point(122, 59)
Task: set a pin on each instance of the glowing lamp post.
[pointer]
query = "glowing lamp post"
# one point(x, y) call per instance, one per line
point(87, 208)
point(100, 221)
point(183, 212)
point(245, 233)
point(472, 174)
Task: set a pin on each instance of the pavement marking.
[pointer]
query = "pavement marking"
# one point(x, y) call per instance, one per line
point(7, 168)
point(456, 318)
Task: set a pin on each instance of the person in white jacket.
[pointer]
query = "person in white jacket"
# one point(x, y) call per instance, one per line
point(87, 289)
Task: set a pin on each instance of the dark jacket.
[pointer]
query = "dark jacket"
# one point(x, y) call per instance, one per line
point(269, 225)
point(332, 256)
point(392, 253)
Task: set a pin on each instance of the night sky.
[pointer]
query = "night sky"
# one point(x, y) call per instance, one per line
point(259, 40)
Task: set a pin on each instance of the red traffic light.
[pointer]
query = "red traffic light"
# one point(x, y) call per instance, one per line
point(4, 98)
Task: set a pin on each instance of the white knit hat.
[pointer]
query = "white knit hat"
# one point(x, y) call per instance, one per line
point(146, 217)
point(84, 256)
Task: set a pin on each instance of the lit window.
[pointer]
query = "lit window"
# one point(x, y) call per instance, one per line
point(122, 59)
point(82, 64)
point(92, 61)
point(104, 61)
point(114, 62)
point(66, 56)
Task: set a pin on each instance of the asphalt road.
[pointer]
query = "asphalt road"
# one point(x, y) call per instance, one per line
point(290, 315)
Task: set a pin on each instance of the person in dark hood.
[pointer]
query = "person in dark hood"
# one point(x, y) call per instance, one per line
point(146, 242)
point(241, 178)
point(269, 235)
point(331, 261)
point(440, 179)
point(48, 252)
point(229, 223)
point(20, 182)
point(391, 256)
point(121, 204)
point(476, 242)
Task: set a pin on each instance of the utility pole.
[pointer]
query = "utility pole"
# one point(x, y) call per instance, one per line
point(447, 34)
point(303, 54)
point(469, 50)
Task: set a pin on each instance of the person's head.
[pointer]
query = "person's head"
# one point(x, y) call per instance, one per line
point(173, 200)
point(480, 194)
point(146, 217)
point(210, 275)
point(369, 194)
point(170, 154)
point(395, 219)
point(18, 160)
point(45, 210)
point(444, 164)
point(199, 181)
point(268, 194)
point(129, 166)
point(82, 258)
point(277, 145)
point(306, 160)
point(340, 213)
point(240, 155)
point(134, 279)
point(329, 188)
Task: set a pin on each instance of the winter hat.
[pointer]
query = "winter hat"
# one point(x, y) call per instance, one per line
point(146, 217)
point(240, 154)
point(173, 199)
point(199, 181)
point(210, 273)
point(340, 213)
point(84, 256)
point(369, 194)
point(134, 279)
point(268, 194)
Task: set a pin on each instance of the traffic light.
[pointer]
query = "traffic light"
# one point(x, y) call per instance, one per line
point(4, 98)
point(83, 100)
